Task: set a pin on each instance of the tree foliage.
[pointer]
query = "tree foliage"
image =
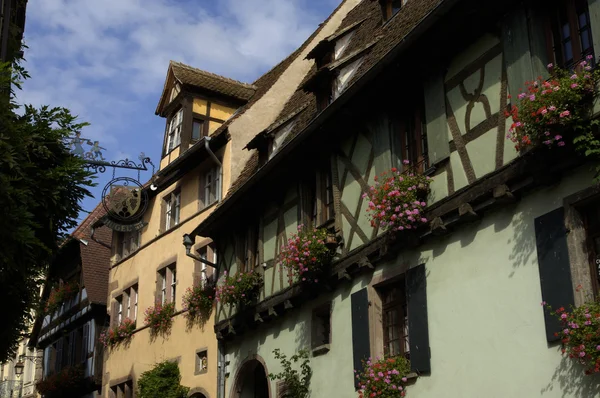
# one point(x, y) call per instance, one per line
point(41, 187)
point(163, 381)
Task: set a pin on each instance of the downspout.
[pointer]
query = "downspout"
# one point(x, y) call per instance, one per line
point(212, 154)
point(222, 369)
point(221, 345)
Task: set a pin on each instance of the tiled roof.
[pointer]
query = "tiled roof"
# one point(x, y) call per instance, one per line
point(373, 38)
point(186, 74)
point(95, 258)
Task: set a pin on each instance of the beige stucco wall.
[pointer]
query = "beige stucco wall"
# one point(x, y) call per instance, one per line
point(265, 110)
point(486, 325)
point(142, 353)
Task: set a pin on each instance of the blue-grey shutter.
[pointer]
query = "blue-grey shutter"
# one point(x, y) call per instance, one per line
point(361, 349)
point(515, 37)
point(435, 118)
point(555, 267)
point(85, 345)
point(418, 326)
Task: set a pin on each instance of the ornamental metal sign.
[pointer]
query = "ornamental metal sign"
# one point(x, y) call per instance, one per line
point(125, 202)
point(123, 198)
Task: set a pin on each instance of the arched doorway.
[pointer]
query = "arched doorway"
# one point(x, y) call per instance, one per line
point(198, 395)
point(252, 381)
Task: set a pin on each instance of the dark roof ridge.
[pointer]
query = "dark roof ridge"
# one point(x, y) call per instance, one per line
point(211, 74)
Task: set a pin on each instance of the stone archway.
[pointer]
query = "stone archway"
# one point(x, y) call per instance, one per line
point(198, 392)
point(251, 380)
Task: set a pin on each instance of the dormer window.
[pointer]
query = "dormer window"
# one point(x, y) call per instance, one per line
point(391, 8)
point(174, 131)
point(324, 93)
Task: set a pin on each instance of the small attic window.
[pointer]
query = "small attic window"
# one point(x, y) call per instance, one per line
point(391, 8)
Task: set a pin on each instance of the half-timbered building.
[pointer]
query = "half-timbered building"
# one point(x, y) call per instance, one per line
point(428, 82)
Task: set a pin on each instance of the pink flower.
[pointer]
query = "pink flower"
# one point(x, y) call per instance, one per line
point(574, 75)
point(543, 303)
point(552, 108)
point(582, 354)
point(532, 97)
point(562, 143)
point(522, 95)
point(550, 65)
point(406, 161)
point(574, 85)
point(404, 379)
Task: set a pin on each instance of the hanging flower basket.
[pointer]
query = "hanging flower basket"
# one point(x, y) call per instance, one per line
point(160, 318)
point(397, 200)
point(118, 334)
point(307, 253)
point(556, 112)
point(59, 295)
point(241, 288)
point(69, 382)
point(198, 301)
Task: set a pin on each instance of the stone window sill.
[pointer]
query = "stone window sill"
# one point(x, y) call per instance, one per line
point(321, 350)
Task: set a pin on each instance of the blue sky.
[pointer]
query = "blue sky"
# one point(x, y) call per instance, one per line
point(107, 60)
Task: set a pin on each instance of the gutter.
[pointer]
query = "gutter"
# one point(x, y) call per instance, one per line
point(318, 122)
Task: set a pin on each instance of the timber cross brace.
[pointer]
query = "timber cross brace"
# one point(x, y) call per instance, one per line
point(498, 189)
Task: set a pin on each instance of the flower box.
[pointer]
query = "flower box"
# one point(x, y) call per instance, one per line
point(307, 253)
point(59, 295)
point(160, 318)
point(69, 382)
point(198, 301)
point(118, 334)
point(397, 200)
point(386, 378)
point(240, 289)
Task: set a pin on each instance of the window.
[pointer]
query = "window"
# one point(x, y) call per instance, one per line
point(395, 321)
point(172, 204)
point(249, 255)
point(201, 362)
point(322, 198)
point(321, 328)
point(568, 32)
point(209, 253)
point(174, 131)
point(210, 187)
point(119, 309)
point(325, 94)
point(391, 7)
point(197, 129)
point(166, 285)
point(129, 243)
point(127, 303)
point(411, 139)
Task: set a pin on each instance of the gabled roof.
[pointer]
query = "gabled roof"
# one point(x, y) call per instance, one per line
point(95, 258)
point(383, 42)
point(188, 75)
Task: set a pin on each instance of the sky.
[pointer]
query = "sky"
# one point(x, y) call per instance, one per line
point(107, 60)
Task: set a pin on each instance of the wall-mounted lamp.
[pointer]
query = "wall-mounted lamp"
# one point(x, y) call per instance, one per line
point(188, 242)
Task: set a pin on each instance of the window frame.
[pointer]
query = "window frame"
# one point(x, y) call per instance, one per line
point(388, 10)
point(173, 139)
point(202, 132)
point(321, 328)
point(213, 187)
point(129, 243)
point(400, 304)
point(166, 284)
point(410, 138)
point(172, 209)
point(322, 198)
point(566, 13)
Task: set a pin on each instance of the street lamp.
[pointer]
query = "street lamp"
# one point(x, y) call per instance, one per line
point(188, 242)
point(19, 366)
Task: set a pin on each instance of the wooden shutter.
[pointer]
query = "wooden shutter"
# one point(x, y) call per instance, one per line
point(555, 267)
point(517, 56)
point(186, 124)
point(163, 215)
point(361, 350)
point(52, 360)
point(418, 327)
point(435, 118)
point(157, 293)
